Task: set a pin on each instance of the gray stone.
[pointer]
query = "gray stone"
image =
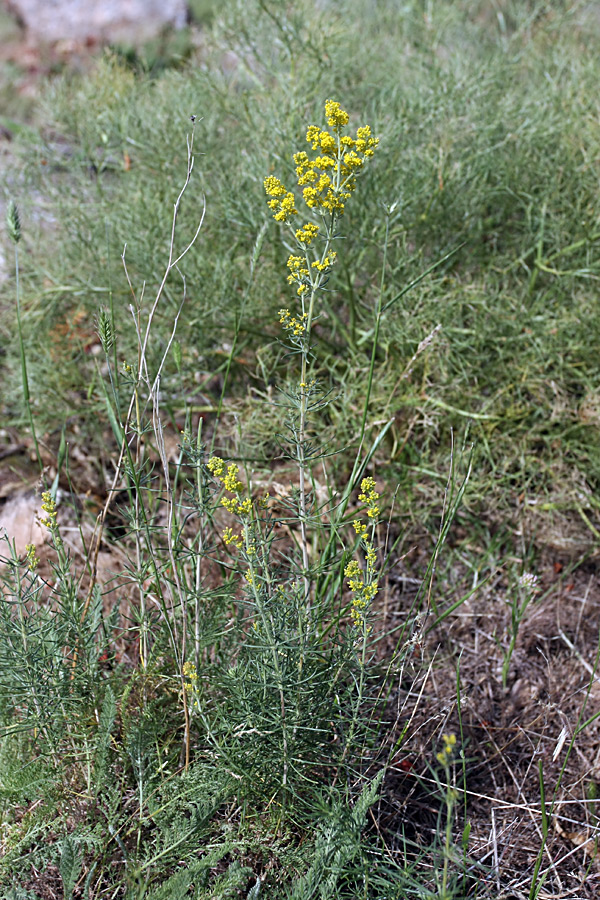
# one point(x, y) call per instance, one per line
point(98, 20)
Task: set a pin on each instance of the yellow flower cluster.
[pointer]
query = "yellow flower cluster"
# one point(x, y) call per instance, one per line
point(295, 326)
point(336, 117)
point(189, 671)
point(369, 496)
point(298, 273)
point(307, 234)
point(229, 537)
point(447, 752)
point(363, 591)
point(30, 557)
point(364, 586)
point(49, 508)
point(228, 476)
point(282, 202)
point(328, 180)
point(324, 265)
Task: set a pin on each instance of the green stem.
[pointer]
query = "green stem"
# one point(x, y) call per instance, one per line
point(448, 840)
point(304, 393)
point(378, 315)
point(24, 377)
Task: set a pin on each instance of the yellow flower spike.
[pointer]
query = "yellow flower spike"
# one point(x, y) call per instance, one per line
point(336, 116)
point(311, 196)
point(352, 569)
point(369, 496)
point(230, 538)
point(352, 160)
point(274, 187)
point(307, 234)
point(445, 755)
point(287, 209)
point(215, 466)
point(326, 142)
point(338, 154)
point(283, 202)
point(371, 556)
point(49, 508)
point(302, 162)
point(30, 557)
point(308, 177)
point(245, 507)
point(189, 671)
point(230, 481)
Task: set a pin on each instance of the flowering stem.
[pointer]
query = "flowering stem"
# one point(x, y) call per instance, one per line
point(304, 389)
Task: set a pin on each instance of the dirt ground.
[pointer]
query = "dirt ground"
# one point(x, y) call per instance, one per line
point(540, 733)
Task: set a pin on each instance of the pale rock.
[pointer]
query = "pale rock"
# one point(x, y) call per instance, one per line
point(18, 522)
point(98, 20)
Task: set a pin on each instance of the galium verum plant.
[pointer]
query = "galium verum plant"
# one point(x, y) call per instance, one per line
point(327, 181)
point(252, 636)
point(288, 675)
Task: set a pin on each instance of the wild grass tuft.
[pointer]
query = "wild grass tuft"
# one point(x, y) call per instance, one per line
point(215, 715)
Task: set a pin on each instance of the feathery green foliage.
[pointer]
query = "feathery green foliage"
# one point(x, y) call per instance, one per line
point(216, 718)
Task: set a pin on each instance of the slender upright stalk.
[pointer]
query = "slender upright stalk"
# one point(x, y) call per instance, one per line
point(302, 431)
point(14, 231)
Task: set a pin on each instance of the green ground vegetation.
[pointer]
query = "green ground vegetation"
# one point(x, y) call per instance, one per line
point(464, 302)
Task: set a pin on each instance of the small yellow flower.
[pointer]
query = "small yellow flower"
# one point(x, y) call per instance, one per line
point(230, 538)
point(244, 508)
point(49, 508)
point(282, 202)
point(30, 557)
point(216, 466)
point(369, 496)
point(287, 209)
point(230, 481)
point(189, 671)
point(447, 752)
point(307, 234)
point(274, 187)
point(336, 116)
